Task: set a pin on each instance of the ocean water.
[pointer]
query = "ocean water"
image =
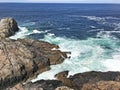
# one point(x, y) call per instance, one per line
point(91, 32)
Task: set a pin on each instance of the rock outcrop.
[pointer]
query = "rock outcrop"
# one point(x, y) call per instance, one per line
point(102, 85)
point(8, 27)
point(23, 59)
point(81, 81)
point(91, 80)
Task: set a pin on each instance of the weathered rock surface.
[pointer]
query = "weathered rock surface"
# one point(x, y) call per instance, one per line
point(25, 58)
point(45, 49)
point(83, 81)
point(102, 85)
point(45, 85)
point(63, 88)
point(8, 27)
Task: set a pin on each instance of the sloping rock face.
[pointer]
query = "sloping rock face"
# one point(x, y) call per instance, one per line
point(24, 58)
point(91, 80)
point(8, 27)
point(45, 49)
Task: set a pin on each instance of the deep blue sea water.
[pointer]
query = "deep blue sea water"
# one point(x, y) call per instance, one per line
point(91, 32)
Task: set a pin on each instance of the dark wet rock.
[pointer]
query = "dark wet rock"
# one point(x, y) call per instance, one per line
point(81, 81)
point(8, 27)
point(39, 85)
point(78, 80)
point(42, 85)
point(45, 85)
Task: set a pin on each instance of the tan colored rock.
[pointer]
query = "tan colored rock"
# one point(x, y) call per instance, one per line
point(21, 60)
point(62, 76)
point(16, 87)
point(102, 85)
point(63, 88)
point(45, 49)
point(78, 80)
point(43, 84)
point(8, 27)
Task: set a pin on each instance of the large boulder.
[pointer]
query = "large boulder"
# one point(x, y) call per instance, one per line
point(8, 27)
point(21, 60)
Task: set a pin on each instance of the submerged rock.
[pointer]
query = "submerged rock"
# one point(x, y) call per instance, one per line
point(8, 27)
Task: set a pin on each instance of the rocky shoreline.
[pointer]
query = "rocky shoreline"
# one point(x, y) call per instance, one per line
point(22, 60)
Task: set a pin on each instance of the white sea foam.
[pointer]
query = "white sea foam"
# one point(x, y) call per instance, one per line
point(106, 34)
point(92, 26)
point(117, 26)
point(112, 64)
point(65, 28)
point(94, 18)
point(93, 30)
point(23, 32)
point(28, 23)
point(36, 31)
point(86, 55)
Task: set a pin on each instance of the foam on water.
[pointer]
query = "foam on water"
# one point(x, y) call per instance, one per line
point(93, 54)
point(28, 23)
point(23, 32)
point(95, 18)
point(113, 64)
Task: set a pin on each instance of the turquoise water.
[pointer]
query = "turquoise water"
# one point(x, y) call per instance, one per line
point(92, 54)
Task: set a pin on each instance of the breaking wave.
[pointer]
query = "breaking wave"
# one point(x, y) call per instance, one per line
point(92, 54)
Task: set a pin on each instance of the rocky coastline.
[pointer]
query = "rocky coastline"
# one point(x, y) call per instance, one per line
point(22, 60)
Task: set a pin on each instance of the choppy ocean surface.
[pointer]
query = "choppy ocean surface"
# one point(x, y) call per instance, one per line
point(91, 32)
